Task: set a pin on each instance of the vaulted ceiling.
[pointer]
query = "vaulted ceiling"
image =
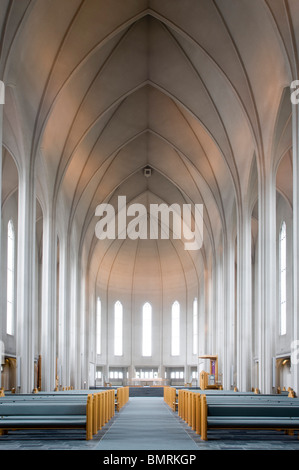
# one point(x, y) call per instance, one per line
point(97, 90)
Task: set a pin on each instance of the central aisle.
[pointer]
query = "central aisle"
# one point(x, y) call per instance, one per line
point(146, 423)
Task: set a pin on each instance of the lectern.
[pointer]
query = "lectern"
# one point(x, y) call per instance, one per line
point(210, 380)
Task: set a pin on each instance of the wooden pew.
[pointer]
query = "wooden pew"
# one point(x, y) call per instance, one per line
point(122, 397)
point(169, 395)
point(249, 414)
point(190, 407)
point(95, 410)
point(28, 414)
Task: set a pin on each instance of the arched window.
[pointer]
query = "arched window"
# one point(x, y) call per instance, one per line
point(118, 329)
point(147, 330)
point(195, 327)
point(10, 291)
point(99, 324)
point(175, 329)
point(283, 277)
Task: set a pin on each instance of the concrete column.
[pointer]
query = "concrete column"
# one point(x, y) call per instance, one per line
point(202, 317)
point(213, 317)
point(244, 298)
point(267, 280)
point(209, 312)
point(62, 339)
point(131, 370)
point(1, 138)
point(229, 313)
point(220, 318)
point(48, 320)
point(67, 282)
point(85, 311)
point(106, 373)
point(74, 322)
point(25, 333)
point(161, 372)
point(2, 89)
point(295, 344)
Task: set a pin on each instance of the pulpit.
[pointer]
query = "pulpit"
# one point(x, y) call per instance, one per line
point(210, 379)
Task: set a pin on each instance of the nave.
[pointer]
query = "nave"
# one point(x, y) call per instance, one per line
point(147, 423)
point(131, 106)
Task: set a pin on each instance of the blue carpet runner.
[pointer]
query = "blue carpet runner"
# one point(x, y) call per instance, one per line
point(146, 423)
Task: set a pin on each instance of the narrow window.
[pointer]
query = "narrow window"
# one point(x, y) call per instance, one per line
point(118, 329)
point(195, 327)
point(10, 298)
point(283, 278)
point(147, 330)
point(99, 324)
point(175, 329)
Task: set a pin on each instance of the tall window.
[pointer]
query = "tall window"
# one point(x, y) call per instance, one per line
point(195, 327)
point(118, 329)
point(283, 278)
point(99, 324)
point(10, 298)
point(147, 330)
point(175, 329)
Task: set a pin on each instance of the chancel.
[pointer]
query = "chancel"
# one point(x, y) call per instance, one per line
point(107, 110)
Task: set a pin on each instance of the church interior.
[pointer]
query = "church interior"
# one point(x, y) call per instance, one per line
point(171, 104)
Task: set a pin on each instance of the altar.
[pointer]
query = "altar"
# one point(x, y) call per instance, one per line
point(147, 382)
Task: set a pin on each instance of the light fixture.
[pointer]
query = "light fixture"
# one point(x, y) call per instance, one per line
point(147, 171)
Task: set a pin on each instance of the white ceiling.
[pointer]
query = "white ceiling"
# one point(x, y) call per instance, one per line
point(98, 89)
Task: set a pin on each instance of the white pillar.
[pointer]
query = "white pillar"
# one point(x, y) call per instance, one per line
point(267, 280)
point(85, 337)
point(74, 322)
point(229, 313)
point(209, 311)
point(295, 355)
point(244, 326)
point(220, 318)
point(26, 279)
point(1, 138)
point(48, 314)
point(62, 349)
point(202, 309)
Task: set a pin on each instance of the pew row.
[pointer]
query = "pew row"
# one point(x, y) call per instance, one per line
point(47, 415)
point(86, 411)
point(269, 415)
point(203, 411)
